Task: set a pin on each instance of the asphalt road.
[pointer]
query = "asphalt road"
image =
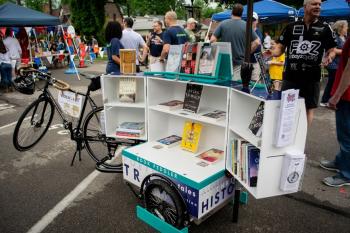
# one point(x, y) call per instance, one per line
point(32, 183)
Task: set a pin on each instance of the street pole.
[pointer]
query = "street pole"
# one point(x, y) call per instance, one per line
point(247, 68)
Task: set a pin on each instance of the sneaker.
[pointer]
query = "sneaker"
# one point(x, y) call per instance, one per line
point(324, 104)
point(336, 181)
point(329, 165)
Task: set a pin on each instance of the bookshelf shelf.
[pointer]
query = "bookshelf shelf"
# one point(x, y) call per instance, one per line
point(242, 109)
point(116, 111)
point(189, 115)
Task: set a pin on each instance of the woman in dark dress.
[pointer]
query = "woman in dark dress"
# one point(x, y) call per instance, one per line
point(113, 35)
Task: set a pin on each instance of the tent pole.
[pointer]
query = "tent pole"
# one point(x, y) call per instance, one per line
point(206, 38)
point(65, 41)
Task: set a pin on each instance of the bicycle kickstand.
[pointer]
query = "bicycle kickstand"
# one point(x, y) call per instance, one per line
point(77, 151)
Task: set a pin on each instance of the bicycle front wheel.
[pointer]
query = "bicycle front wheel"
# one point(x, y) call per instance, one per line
point(95, 137)
point(33, 124)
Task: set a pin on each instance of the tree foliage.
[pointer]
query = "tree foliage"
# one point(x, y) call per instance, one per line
point(151, 7)
point(88, 17)
point(35, 4)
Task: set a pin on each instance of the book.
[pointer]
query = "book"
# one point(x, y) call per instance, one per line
point(253, 166)
point(190, 136)
point(131, 127)
point(127, 89)
point(211, 156)
point(192, 97)
point(174, 58)
point(127, 61)
point(172, 105)
point(215, 115)
point(170, 141)
point(256, 123)
point(287, 122)
point(189, 55)
point(207, 61)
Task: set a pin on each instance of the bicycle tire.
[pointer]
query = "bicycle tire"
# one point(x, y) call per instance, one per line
point(40, 107)
point(162, 200)
point(95, 139)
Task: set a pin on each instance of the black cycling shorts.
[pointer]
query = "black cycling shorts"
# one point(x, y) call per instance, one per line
point(310, 91)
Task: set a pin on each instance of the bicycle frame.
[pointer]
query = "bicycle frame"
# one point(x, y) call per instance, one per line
point(67, 124)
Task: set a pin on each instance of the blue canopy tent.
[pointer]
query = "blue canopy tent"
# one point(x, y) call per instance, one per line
point(12, 15)
point(269, 11)
point(332, 10)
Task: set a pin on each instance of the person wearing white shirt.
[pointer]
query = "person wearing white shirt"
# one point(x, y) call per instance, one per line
point(267, 41)
point(5, 66)
point(14, 49)
point(133, 40)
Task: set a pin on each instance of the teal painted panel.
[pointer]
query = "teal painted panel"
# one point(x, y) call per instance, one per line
point(156, 222)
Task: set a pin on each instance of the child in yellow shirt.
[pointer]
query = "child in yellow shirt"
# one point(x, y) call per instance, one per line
point(276, 65)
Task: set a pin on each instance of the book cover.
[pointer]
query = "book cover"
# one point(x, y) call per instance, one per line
point(208, 59)
point(188, 61)
point(172, 104)
point(131, 127)
point(256, 123)
point(253, 166)
point(127, 89)
point(170, 141)
point(192, 97)
point(211, 156)
point(190, 136)
point(127, 61)
point(174, 58)
point(215, 115)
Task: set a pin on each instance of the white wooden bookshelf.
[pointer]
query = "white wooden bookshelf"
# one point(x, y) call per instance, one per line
point(163, 123)
point(117, 112)
point(242, 110)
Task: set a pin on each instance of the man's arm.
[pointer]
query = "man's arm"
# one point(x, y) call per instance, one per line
point(165, 52)
point(342, 87)
point(213, 39)
point(255, 43)
point(329, 56)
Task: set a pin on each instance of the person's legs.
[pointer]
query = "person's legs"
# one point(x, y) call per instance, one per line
point(6, 74)
point(327, 91)
point(343, 136)
point(256, 72)
point(309, 116)
point(342, 160)
point(236, 73)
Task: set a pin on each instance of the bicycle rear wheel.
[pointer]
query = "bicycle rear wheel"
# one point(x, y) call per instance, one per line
point(33, 124)
point(95, 138)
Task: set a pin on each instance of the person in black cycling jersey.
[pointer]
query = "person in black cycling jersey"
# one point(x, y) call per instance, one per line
point(308, 43)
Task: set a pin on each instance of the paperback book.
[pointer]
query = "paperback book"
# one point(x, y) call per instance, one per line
point(192, 97)
point(256, 123)
point(131, 128)
point(189, 54)
point(253, 166)
point(127, 89)
point(174, 58)
point(208, 59)
point(170, 141)
point(190, 136)
point(172, 105)
point(127, 61)
point(216, 115)
point(211, 156)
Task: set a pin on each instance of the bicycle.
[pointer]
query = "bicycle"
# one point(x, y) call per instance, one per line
point(88, 132)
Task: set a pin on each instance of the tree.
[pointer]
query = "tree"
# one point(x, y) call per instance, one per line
point(151, 7)
point(35, 4)
point(206, 11)
point(88, 17)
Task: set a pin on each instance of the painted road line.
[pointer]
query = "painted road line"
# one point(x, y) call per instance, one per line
point(6, 106)
point(11, 124)
point(54, 212)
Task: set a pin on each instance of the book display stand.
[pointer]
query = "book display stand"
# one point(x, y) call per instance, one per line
point(203, 179)
point(222, 74)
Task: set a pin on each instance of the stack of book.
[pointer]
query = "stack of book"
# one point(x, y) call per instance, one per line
point(131, 129)
point(245, 161)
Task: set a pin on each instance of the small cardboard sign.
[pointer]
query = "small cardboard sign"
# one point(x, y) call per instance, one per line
point(71, 103)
